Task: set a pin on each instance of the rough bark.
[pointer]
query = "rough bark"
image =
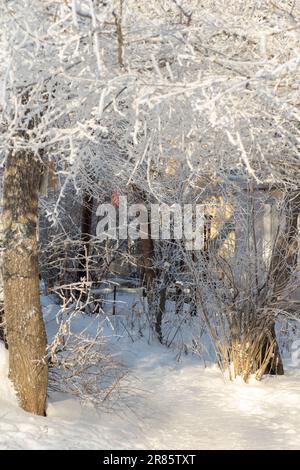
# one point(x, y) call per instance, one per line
point(2, 326)
point(26, 334)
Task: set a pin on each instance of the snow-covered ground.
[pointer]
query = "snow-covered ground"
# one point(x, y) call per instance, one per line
point(169, 405)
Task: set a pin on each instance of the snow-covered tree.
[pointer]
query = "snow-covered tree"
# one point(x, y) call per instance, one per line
point(157, 95)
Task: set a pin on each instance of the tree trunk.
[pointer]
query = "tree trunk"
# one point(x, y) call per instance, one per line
point(86, 230)
point(147, 250)
point(160, 313)
point(283, 263)
point(274, 365)
point(26, 335)
point(2, 318)
point(285, 254)
point(156, 298)
point(2, 326)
